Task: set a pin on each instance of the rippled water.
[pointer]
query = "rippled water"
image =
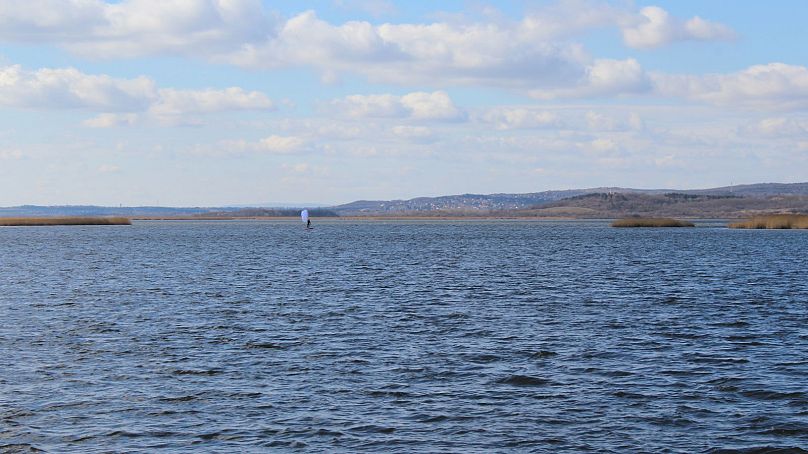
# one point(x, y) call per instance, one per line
point(402, 337)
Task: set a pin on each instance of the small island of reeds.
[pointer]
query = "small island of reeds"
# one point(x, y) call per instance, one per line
point(774, 221)
point(71, 220)
point(651, 222)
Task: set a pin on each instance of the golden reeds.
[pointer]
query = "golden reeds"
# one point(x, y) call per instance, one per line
point(72, 220)
point(774, 221)
point(650, 222)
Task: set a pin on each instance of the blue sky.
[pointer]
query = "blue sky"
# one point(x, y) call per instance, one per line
point(213, 102)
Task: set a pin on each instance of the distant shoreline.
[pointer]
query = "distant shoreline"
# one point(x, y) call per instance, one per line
point(397, 218)
point(62, 220)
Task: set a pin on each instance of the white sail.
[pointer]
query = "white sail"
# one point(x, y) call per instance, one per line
point(304, 215)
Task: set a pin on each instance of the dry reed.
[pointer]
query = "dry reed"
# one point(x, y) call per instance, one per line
point(650, 222)
point(774, 221)
point(72, 220)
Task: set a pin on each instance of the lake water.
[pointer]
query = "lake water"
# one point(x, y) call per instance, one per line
point(445, 336)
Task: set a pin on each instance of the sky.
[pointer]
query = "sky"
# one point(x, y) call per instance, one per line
point(227, 102)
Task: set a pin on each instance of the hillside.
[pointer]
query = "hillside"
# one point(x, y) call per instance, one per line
point(614, 205)
point(607, 202)
point(454, 203)
point(493, 204)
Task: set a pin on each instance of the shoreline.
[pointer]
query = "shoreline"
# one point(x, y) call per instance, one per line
point(405, 218)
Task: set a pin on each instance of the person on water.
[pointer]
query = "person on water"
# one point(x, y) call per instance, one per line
point(308, 223)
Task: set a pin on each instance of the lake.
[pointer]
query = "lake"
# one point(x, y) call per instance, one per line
point(439, 336)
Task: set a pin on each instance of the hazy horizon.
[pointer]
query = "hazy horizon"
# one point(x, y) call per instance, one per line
point(214, 103)
point(326, 205)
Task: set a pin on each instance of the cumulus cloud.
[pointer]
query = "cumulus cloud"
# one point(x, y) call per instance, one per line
point(111, 120)
point(775, 86)
point(121, 102)
point(418, 134)
point(180, 102)
point(536, 52)
point(69, 88)
point(241, 32)
point(521, 53)
point(133, 28)
point(504, 118)
point(417, 105)
point(777, 127)
point(431, 106)
point(598, 121)
point(604, 77)
point(273, 144)
point(655, 27)
point(602, 145)
point(280, 144)
point(358, 106)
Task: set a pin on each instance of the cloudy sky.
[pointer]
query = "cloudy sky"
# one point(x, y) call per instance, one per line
point(215, 102)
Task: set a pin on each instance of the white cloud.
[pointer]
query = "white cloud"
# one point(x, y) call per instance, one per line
point(603, 78)
point(273, 144)
point(431, 106)
point(775, 86)
point(655, 27)
point(603, 145)
point(10, 154)
point(635, 122)
point(418, 134)
point(520, 118)
point(599, 121)
point(509, 54)
point(777, 127)
point(68, 88)
point(537, 52)
point(122, 102)
point(241, 32)
point(133, 28)
point(280, 144)
point(108, 168)
point(111, 120)
point(49, 20)
point(182, 102)
point(361, 106)
point(417, 105)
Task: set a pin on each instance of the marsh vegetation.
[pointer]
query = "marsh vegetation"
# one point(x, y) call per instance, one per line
point(70, 220)
point(774, 221)
point(651, 222)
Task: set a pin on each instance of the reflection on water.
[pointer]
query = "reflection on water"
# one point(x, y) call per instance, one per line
point(402, 337)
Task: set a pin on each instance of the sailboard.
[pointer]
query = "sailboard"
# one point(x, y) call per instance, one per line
point(304, 216)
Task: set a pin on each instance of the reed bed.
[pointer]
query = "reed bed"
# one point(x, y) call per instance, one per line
point(651, 222)
point(774, 221)
point(72, 220)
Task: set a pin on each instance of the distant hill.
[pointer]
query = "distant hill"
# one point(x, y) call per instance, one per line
point(459, 203)
point(677, 204)
point(608, 202)
point(269, 212)
point(91, 210)
point(158, 212)
point(757, 190)
point(479, 204)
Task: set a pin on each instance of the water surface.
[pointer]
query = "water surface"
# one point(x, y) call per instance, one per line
point(443, 336)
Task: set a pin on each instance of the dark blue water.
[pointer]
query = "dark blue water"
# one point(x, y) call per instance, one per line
point(402, 337)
